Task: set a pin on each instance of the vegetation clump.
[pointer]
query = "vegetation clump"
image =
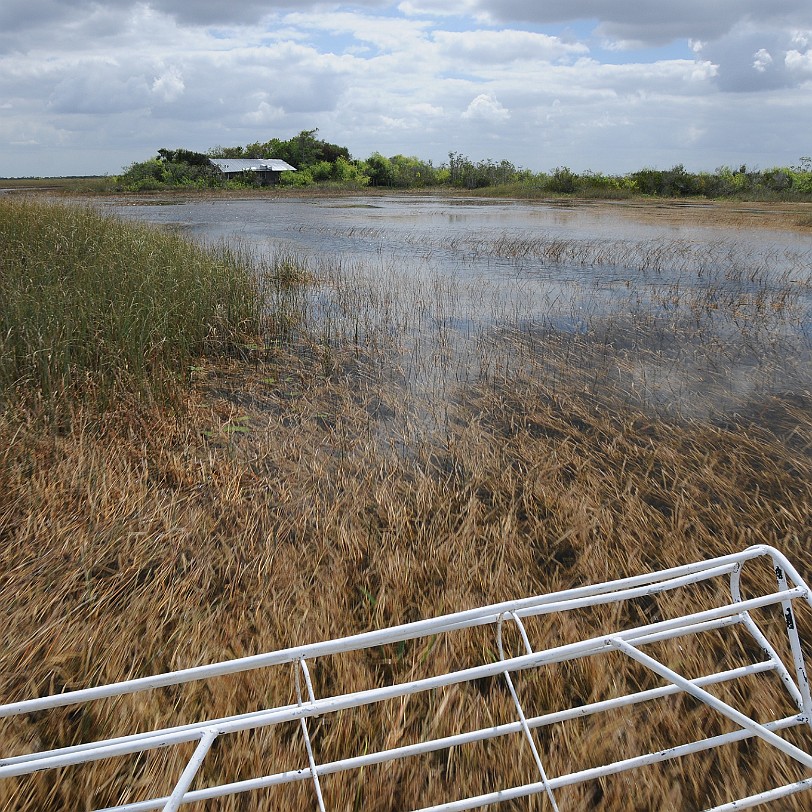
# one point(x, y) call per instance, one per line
point(321, 163)
point(89, 303)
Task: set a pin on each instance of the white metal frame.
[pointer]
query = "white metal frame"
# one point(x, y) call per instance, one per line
point(737, 611)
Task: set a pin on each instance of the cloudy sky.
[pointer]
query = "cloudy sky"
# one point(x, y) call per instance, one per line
point(609, 85)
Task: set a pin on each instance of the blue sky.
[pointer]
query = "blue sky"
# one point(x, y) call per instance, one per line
point(609, 85)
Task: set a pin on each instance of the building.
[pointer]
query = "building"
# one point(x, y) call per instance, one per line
point(266, 170)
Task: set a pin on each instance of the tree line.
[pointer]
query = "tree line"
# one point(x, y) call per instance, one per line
point(321, 162)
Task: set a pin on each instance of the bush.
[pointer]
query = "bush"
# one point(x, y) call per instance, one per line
point(563, 180)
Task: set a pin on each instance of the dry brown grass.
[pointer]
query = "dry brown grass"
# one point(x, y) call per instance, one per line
point(272, 513)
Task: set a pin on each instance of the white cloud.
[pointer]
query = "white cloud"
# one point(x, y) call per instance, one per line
point(436, 8)
point(798, 62)
point(169, 85)
point(753, 58)
point(95, 86)
point(486, 108)
point(266, 115)
point(425, 110)
point(762, 59)
point(801, 39)
point(505, 46)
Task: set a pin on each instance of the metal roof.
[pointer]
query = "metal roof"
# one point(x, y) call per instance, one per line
point(229, 165)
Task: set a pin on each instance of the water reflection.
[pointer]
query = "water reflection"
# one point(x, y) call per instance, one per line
point(452, 291)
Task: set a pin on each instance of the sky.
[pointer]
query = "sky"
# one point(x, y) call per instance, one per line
point(87, 88)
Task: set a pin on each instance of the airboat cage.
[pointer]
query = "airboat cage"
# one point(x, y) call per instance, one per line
point(766, 619)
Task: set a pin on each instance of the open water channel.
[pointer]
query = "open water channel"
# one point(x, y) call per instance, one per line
point(688, 318)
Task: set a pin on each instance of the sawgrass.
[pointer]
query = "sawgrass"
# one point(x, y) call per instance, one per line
point(367, 473)
point(90, 304)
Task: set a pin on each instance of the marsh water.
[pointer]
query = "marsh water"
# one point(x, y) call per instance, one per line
point(686, 317)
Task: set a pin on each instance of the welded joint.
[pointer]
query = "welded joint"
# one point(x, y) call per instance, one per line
point(188, 775)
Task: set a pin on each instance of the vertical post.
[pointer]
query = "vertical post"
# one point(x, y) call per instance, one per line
point(766, 645)
point(519, 710)
point(308, 746)
point(795, 644)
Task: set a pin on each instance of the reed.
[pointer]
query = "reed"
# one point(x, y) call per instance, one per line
point(90, 303)
point(393, 458)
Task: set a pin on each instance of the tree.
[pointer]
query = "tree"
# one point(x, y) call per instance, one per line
point(379, 170)
point(183, 156)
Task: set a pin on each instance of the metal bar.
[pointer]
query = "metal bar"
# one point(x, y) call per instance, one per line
point(176, 798)
point(765, 797)
point(459, 739)
point(514, 793)
point(734, 715)
point(195, 728)
point(314, 773)
point(794, 643)
point(343, 702)
point(627, 641)
point(532, 789)
point(761, 638)
point(408, 631)
point(518, 705)
point(201, 726)
point(647, 590)
point(422, 748)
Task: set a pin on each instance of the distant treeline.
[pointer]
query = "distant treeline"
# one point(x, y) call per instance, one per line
point(320, 162)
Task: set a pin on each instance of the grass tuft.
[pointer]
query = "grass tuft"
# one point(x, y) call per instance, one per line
point(93, 305)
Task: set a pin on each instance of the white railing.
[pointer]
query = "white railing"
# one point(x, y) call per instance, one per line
point(629, 642)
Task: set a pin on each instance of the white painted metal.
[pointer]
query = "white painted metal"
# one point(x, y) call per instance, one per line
point(735, 611)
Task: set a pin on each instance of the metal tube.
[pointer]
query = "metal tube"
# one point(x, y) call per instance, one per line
point(528, 735)
point(765, 797)
point(314, 773)
point(422, 748)
point(627, 641)
point(408, 631)
point(795, 645)
point(709, 699)
point(331, 704)
point(581, 777)
point(176, 798)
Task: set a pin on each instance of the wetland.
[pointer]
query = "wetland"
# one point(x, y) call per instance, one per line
point(409, 406)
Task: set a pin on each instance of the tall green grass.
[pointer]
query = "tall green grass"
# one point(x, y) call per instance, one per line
point(90, 305)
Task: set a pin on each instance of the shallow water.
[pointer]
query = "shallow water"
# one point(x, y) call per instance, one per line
point(691, 318)
point(456, 232)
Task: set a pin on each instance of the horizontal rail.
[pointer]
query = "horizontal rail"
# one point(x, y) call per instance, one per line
point(461, 620)
point(473, 737)
point(514, 793)
point(558, 654)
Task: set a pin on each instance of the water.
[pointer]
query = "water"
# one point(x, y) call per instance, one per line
point(455, 232)
point(685, 318)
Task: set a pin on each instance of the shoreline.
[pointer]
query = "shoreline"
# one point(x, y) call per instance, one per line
point(795, 216)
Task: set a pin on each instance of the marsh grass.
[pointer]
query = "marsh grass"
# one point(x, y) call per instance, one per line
point(390, 458)
point(90, 304)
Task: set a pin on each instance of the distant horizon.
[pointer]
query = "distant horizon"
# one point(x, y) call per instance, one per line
point(86, 90)
point(732, 165)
